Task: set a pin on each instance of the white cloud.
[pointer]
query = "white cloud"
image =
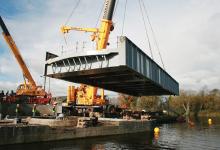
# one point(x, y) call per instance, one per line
point(8, 86)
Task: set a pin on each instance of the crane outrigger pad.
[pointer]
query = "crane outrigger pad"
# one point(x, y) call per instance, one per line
point(126, 69)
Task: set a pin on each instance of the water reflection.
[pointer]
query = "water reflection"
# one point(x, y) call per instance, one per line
point(156, 136)
point(171, 136)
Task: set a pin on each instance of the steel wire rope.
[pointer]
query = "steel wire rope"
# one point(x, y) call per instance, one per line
point(68, 18)
point(116, 6)
point(153, 33)
point(123, 23)
point(98, 19)
point(72, 12)
point(99, 16)
point(146, 31)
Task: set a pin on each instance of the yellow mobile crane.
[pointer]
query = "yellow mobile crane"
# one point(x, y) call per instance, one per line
point(87, 95)
point(28, 89)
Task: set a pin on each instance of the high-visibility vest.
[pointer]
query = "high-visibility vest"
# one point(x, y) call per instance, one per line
point(33, 110)
point(53, 109)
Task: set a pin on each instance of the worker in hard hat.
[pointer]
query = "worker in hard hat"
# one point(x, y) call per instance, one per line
point(17, 110)
point(34, 110)
point(54, 109)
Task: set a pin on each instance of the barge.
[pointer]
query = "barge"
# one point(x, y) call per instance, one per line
point(39, 130)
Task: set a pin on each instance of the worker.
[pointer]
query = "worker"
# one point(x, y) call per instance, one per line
point(91, 114)
point(12, 93)
point(34, 110)
point(7, 93)
point(17, 110)
point(84, 112)
point(54, 109)
point(1, 96)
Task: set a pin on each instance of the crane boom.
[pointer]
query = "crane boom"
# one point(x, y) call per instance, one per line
point(29, 88)
point(106, 24)
point(8, 38)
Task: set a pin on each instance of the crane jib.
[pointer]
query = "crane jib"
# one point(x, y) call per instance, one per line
point(16, 53)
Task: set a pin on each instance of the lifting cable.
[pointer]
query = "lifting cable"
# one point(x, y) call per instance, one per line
point(99, 16)
point(145, 26)
point(69, 17)
point(116, 6)
point(72, 12)
point(153, 33)
point(123, 23)
point(65, 39)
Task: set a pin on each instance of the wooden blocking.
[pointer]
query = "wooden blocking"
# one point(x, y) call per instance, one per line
point(145, 117)
point(82, 122)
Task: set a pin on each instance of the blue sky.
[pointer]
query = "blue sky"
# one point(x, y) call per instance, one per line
point(11, 8)
point(8, 8)
point(187, 32)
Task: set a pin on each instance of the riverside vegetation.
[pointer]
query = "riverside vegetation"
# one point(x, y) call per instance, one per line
point(199, 103)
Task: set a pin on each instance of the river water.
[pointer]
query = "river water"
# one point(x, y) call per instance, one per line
point(171, 136)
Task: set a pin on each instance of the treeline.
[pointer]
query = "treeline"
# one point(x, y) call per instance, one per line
point(198, 101)
point(195, 101)
point(148, 103)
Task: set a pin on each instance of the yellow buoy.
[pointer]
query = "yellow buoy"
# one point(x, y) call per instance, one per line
point(156, 130)
point(209, 121)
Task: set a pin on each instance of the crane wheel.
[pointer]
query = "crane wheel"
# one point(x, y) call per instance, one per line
point(110, 108)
